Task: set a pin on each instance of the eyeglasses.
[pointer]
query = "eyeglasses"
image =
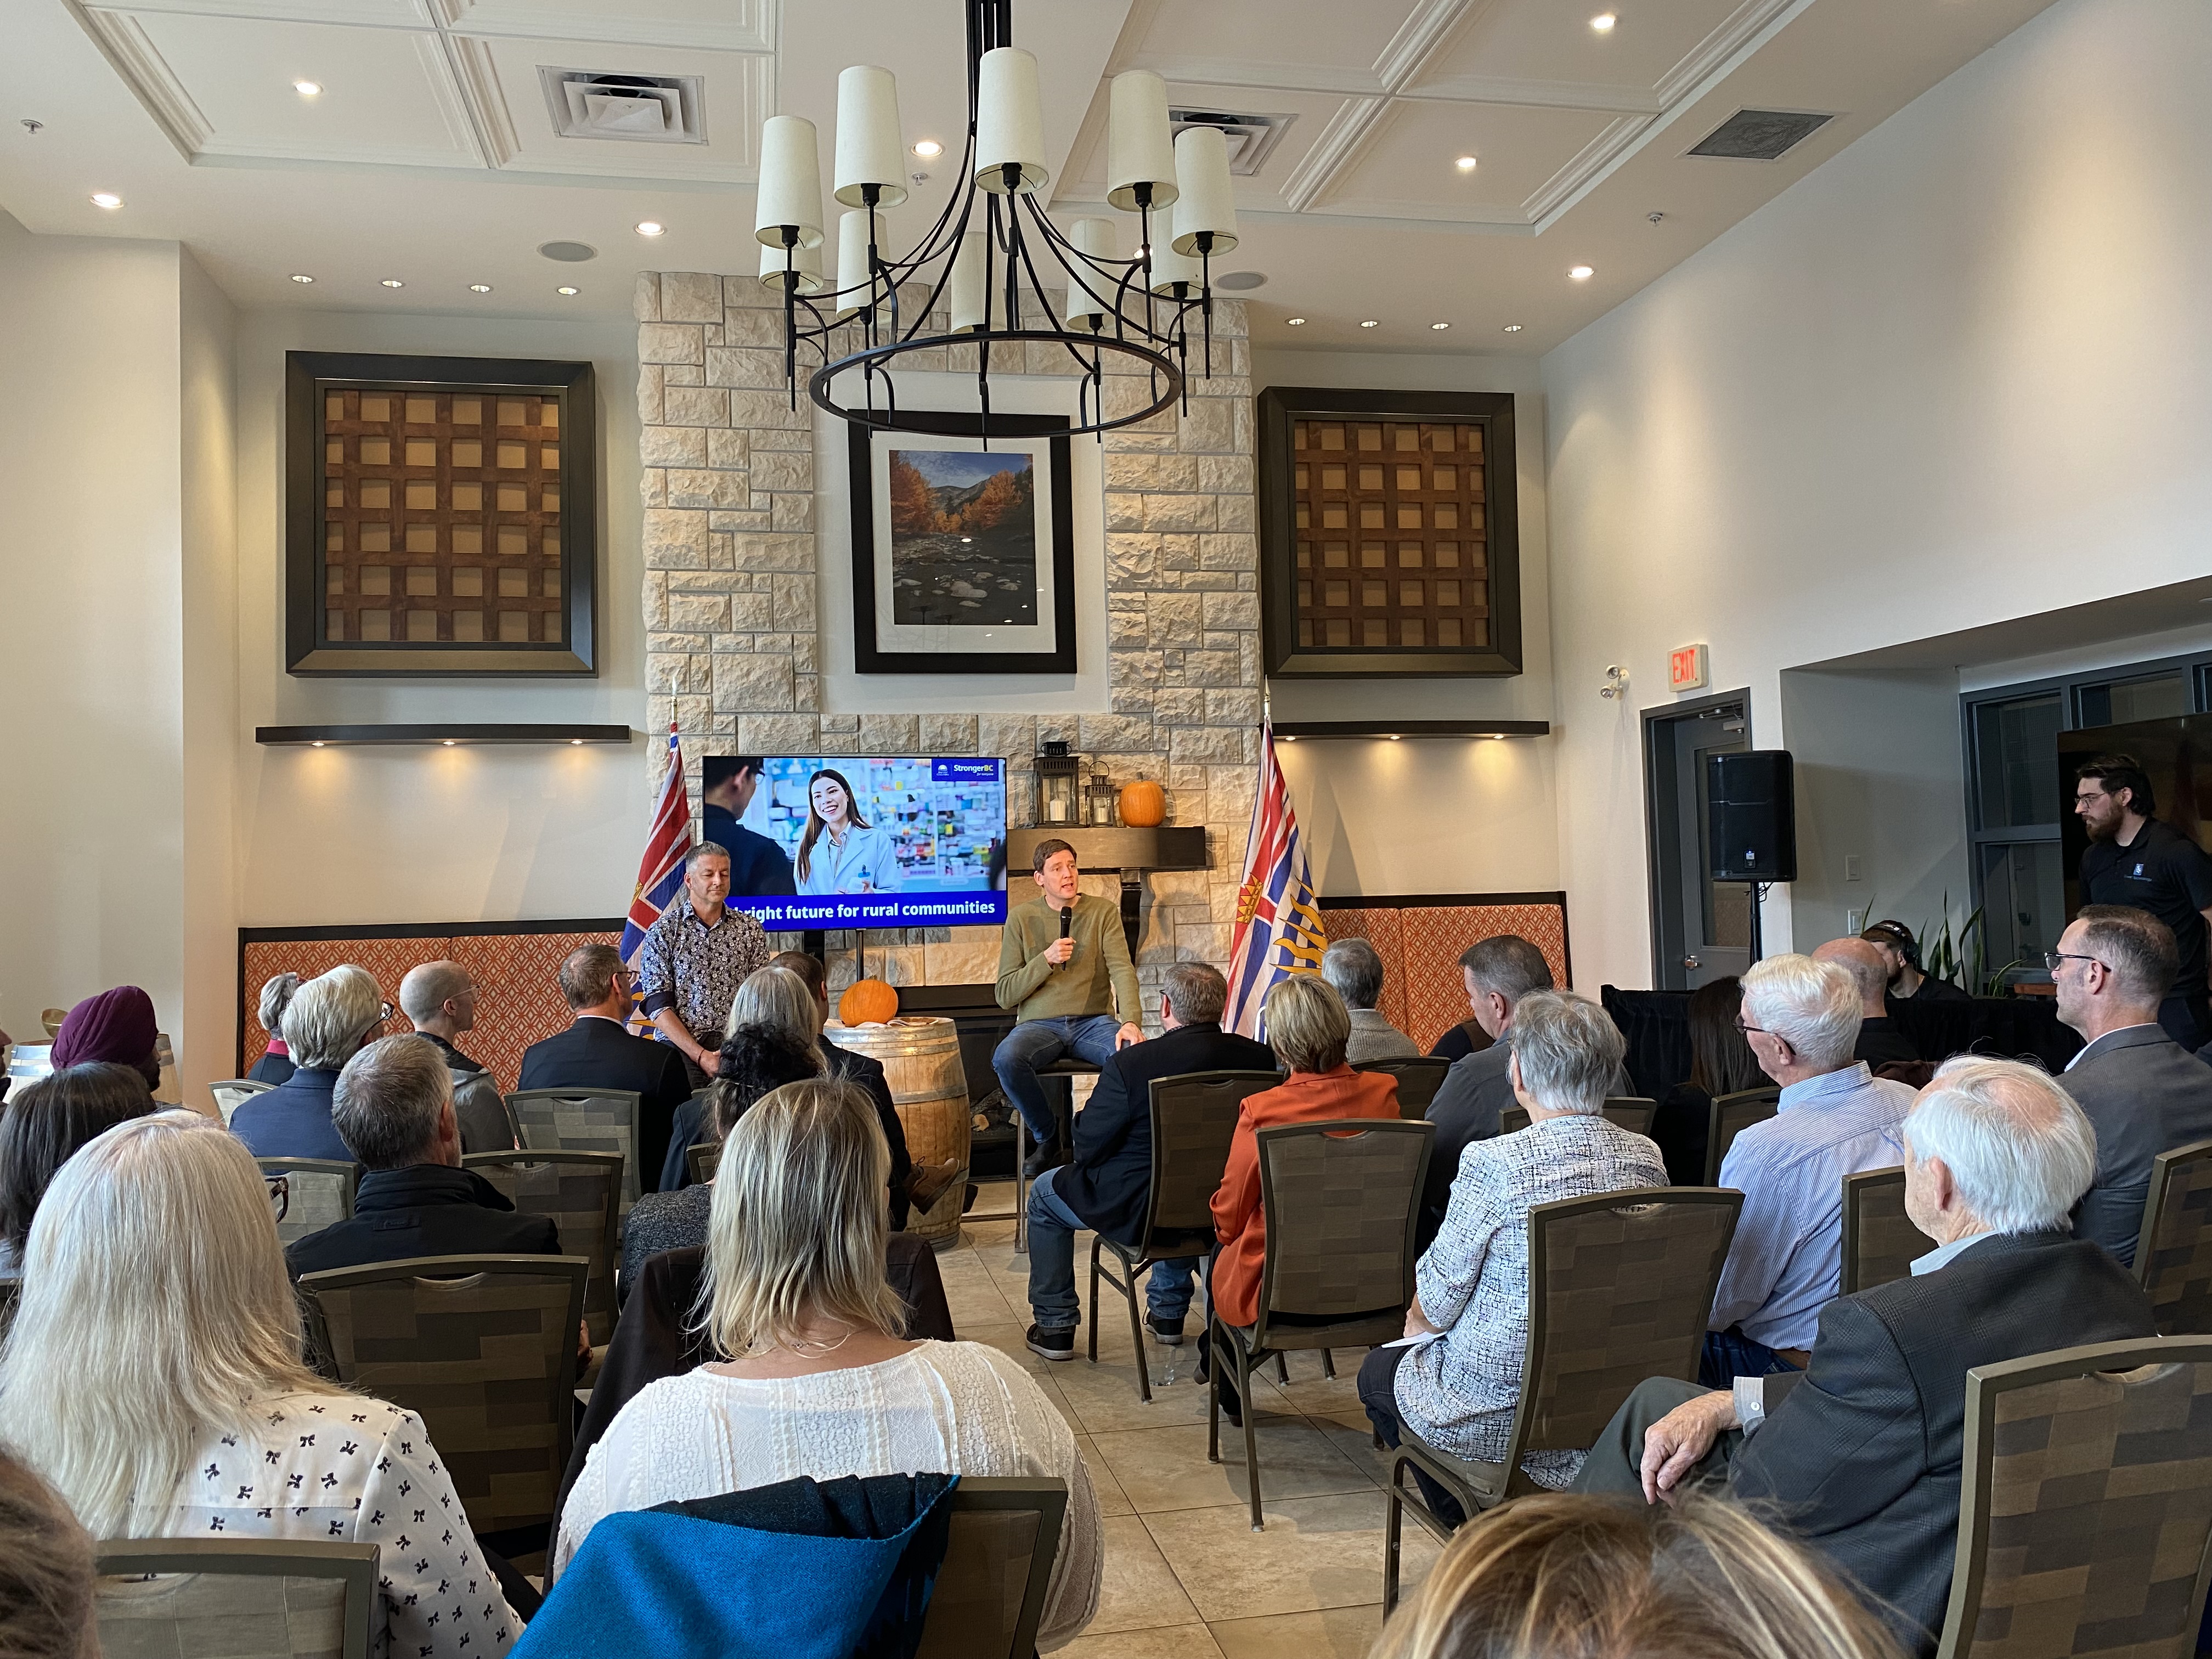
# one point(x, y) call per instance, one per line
point(385, 1011)
point(280, 1194)
point(2052, 958)
point(1747, 1030)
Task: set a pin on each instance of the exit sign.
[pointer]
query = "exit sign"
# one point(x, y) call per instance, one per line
point(1686, 668)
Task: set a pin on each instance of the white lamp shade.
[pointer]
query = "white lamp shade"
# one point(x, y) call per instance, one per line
point(1138, 151)
point(790, 182)
point(971, 301)
point(1170, 267)
point(1206, 201)
point(1009, 120)
point(807, 261)
point(868, 148)
point(853, 273)
point(1100, 239)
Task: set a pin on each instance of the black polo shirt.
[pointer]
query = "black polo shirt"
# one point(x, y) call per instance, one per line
point(2162, 871)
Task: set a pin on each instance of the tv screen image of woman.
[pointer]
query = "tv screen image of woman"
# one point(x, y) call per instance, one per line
point(840, 851)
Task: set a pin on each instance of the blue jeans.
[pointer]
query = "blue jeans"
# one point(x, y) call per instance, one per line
point(1035, 1042)
point(1053, 1227)
point(1729, 1354)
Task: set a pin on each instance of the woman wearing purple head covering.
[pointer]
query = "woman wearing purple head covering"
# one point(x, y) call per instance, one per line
point(117, 1026)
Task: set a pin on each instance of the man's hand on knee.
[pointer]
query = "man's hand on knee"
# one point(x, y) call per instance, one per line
point(1678, 1442)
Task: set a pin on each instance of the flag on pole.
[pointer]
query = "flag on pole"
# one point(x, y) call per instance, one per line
point(1279, 927)
point(660, 872)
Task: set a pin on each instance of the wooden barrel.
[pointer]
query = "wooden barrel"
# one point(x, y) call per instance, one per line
point(921, 1063)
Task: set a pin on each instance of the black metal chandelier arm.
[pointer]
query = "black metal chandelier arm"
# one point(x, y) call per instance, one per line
point(1060, 244)
point(1168, 378)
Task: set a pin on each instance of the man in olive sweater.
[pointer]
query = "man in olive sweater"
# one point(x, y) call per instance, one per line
point(1064, 968)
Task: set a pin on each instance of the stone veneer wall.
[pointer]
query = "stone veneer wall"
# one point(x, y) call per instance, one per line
point(733, 610)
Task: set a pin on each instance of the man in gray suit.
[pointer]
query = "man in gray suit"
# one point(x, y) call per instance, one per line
point(2144, 1093)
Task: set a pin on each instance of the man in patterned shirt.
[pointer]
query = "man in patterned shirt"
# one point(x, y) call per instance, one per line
point(694, 957)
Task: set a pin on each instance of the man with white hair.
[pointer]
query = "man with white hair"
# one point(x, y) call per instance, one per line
point(440, 1001)
point(1801, 1020)
point(1860, 1456)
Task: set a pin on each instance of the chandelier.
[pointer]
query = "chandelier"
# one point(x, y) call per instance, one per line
point(994, 255)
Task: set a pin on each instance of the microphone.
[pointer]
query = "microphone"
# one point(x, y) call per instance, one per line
point(1066, 920)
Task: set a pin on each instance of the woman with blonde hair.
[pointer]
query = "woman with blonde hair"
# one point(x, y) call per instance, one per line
point(813, 1378)
point(1561, 1576)
point(154, 1376)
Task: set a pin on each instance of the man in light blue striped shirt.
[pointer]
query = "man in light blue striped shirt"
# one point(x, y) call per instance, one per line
point(1801, 1020)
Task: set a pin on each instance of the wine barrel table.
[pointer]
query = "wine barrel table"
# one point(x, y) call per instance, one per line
point(921, 1059)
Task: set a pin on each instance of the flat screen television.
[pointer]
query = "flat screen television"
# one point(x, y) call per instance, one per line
point(852, 840)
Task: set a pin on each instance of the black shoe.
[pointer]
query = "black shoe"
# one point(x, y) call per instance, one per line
point(1052, 1344)
point(1165, 1331)
point(1043, 1159)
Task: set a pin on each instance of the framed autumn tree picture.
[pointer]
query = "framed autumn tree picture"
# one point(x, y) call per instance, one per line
point(964, 559)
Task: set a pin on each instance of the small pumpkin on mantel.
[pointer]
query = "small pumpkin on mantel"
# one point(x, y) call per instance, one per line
point(1143, 804)
point(867, 1002)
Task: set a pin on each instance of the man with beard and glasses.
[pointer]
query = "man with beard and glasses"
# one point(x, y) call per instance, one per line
point(2134, 860)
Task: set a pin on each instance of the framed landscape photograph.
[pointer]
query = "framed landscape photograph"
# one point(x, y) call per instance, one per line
point(964, 556)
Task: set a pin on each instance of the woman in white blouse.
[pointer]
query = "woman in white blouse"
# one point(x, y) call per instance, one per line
point(840, 851)
point(154, 1376)
point(816, 1381)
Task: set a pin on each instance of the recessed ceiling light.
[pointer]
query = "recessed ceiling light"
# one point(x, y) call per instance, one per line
point(449, 743)
point(102, 199)
point(1603, 22)
point(929, 149)
point(302, 276)
point(479, 287)
point(1294, 322)
point(1580, 274)
point(1465, 164)
point(1512, 328)
point(307, 88)
point(650, 227)
point(1440, 325)
point(393, 282)
point(564, 290)
point(575, 743)
point(317, 743)
point(1393, 737)
point(1371, 322)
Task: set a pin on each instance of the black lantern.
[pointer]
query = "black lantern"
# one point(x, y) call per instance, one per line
point(1058, 787)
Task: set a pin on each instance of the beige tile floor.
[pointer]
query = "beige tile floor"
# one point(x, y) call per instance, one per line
point(1186, 1575)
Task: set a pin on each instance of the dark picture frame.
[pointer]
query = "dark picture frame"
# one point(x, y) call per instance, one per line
point(1279, 409)
point(869, 654)
point(308, 650)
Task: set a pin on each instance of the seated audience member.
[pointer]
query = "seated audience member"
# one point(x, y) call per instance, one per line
point(758, 867)
point(440, 1001)
point(393, 1107)
point(1063, 980)
point(276, 1062)
point(1460, 1392)
point(1560, 1576)
point(327, 1021)
point(770, 1042)
point(1901, 954)
point(1353, 967)
point(1801, 1017)
point(1860, 1456)
point(1879, 1043)
point(44, 1125)
point(1477, 1089)
point(1458, 1042)
point(1721, 1063)
point(2143, 1092)
point(1108, 1182)
point(1307, 1026)
point(162, 1390)
point(812, 1378)
point(117, 1028)
point(46, 1574)
point(599, 1052)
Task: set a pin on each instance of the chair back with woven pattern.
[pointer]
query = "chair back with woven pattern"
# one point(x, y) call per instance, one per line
point(2084, 1506)
point(319, 1193)
point(1193, 1119)
point(581, 1120)
point(1419, 1079)
point(233, 1092)
point(1621, 1285)
point(11, 1293)
point(989, 1596)
point(482, 1348)
point(2173, 1254)
point(238, 1598)
point(1629, 1112)
point(1731, 1116)
point(702, 1159)
point(577, 1191)
point(1881, 1243)
point(1342, 1199)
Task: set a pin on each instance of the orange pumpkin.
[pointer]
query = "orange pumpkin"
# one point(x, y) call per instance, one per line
point(1143, 804)
point(867, 1002)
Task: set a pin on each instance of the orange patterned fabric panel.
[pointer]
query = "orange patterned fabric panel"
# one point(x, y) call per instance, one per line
point(518, 1000)
point(1423, 993)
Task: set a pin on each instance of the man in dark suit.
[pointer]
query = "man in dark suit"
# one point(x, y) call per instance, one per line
point(1860, 1455)
point(1107, 1182)
point(758, 867)
point(597, 1052)
point(2144, 1093)
point(1498, 972)
point(393, 1107)
point(1880, 1043)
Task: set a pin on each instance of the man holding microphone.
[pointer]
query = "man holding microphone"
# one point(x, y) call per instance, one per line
point(1064, 968)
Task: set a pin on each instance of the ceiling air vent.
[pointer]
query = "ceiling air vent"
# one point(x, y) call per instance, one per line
point(1760, 135)
point(1251, 137)
point(653, 109)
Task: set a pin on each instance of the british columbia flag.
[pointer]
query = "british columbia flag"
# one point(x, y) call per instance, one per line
point(660, 872)
point(1279, 927)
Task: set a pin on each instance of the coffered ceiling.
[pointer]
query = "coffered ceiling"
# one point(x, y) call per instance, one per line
point(433, 155)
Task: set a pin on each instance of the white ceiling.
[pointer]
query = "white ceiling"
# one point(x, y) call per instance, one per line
point(430, 157)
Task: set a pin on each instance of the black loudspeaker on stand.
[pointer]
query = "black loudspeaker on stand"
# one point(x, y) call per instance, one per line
point(1752, 814)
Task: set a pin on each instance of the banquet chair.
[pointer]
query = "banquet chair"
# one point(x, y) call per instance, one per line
point(989, 1594)
point(234, 1598)
point(701, 1159)
point(576, 1192)
point(1418, 1079)
point(1630, 1112)
point(310, 1193)
point(1731, 1116)
point(234, 1092)
point(581, 1120)
point(1881, 1243)
point(2173, 1254)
